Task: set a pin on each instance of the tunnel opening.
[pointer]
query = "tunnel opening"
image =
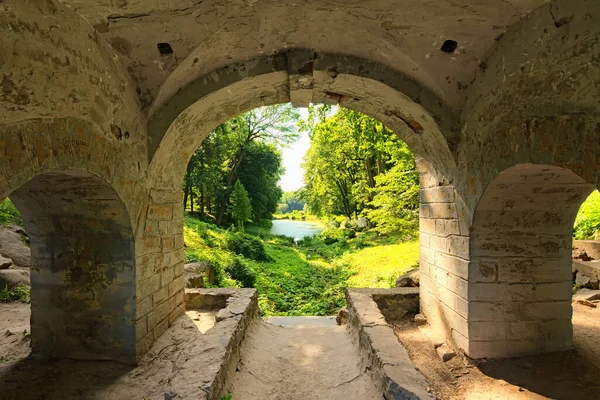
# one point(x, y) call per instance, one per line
point(82, 268)
point(520, 283)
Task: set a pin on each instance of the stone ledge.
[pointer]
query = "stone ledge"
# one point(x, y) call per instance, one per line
point(392, 370)
point(224, 339)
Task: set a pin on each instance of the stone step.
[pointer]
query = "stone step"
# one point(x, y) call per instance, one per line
point(301, 322)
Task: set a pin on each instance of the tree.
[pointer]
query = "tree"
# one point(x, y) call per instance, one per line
point(356, 166)
point(239, 205)
point(273, 124)
point(244, 148)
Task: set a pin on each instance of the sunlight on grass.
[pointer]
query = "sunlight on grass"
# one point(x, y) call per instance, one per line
point(379, 266)
point(308, 279)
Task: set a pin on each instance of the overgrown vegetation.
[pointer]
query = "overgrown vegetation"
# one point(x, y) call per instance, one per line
point(304, 279)
point(587, 222)
point(9, 213)
point(18, 293)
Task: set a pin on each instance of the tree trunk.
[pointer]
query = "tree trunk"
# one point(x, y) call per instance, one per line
point(186, 192)
point(191, 202)
point(201, 201)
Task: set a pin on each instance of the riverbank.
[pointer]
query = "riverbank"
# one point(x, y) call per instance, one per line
point(308, 278)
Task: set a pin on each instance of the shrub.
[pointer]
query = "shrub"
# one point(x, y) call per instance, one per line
point(9, 213)
point(240, 271)
point(587, 222)
point(248, 246)
point(18, 293)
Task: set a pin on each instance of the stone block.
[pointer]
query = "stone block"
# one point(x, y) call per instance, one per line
point(141, 329)
point(167, 276)
point(177, 312)
point(455, 265)
point(427, 225)
point(166, 196)
point(144, 344)
point(161, 328)
point(168, 244)
point(442, 210)
point(439, 194)
point(148, 286)
point(176, 285)
point(160, 295)
point(162, 212)
point(143, 306)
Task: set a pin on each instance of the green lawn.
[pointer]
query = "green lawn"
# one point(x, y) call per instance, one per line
point(309, 279)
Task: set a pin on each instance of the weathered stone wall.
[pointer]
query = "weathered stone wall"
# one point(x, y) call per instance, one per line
point(160, 259)
point(520, 278)
point(444, 237)
point(74, 161)
point(82, 272)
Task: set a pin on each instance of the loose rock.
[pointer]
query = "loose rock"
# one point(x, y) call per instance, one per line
point(420, 319)
point(14, 247)
point(446, 353)
point(5, 263)
point(342, 316)
point(587, 303)
point(587, 294)
point(409, 279)
point(13, 278)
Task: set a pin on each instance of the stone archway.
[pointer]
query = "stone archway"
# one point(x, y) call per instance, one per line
point(83, 267)
point(520, 279)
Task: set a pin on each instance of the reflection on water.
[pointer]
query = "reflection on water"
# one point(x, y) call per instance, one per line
point(295, 229)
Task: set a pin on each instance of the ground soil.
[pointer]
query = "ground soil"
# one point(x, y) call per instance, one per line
point(300, 362)
point(566, 375)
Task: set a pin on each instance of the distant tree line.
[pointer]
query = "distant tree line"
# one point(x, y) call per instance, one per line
point(241, 154)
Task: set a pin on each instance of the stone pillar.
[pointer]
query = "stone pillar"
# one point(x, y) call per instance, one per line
point(520, 278)
point(160, 260)
point(444, 237)
point(82, 273)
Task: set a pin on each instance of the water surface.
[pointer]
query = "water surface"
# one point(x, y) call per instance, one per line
point(295, 229)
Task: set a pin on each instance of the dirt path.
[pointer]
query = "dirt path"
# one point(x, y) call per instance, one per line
point(566, 375)
point(300, 362)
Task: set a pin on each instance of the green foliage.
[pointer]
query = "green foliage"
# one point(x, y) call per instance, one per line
point(239, 270)
point(587, 222)
point(20, 293)
point(239, 205)
point(244, 148)
point(356, 166)
point(9, 213)
point(292, 201)
point(247, 246)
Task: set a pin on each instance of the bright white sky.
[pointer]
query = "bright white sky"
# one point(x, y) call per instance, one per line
point(293, 158)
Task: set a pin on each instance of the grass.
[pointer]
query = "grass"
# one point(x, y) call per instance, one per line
point(18, 293)
point(308, 279)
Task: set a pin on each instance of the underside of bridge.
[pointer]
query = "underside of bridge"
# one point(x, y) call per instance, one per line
point(102, 104)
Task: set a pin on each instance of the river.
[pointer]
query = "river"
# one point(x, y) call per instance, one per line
point(295, 229)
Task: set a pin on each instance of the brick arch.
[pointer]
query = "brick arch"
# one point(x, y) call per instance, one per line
point(519, 276)
point(79, 197)
point(177, 128)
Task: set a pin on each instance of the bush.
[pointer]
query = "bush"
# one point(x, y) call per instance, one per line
point(18, 293)
point(248, 246)
point(587, 222)
point(9, 213)
point(240, 271)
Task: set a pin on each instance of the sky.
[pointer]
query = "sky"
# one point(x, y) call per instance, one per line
point(292, 160)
